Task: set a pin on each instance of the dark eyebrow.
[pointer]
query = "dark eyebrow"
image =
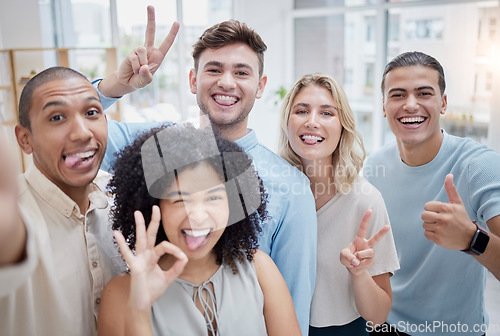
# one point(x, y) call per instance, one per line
point(425, 88)
point(176, 193)
point(213, 63)
point(63, 103)
point(221, 65)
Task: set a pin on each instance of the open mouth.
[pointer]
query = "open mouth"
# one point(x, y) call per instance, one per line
point(225, 100)
point(196, 238)
point(412, 120)
point(78, 159)
point(311, 139)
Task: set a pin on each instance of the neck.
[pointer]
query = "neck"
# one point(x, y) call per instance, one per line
point(320, 174)
point(81, 198)
point(232, 132)
point(418, 155)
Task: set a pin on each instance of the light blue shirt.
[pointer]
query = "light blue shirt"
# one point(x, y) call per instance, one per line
point(289, 237)
point(436, 286)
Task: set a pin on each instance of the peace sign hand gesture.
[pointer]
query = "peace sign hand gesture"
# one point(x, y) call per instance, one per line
point(137, 69)
point(359, 255)
point(148, 280)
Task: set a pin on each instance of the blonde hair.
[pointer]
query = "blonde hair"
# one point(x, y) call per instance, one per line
point(349, 155)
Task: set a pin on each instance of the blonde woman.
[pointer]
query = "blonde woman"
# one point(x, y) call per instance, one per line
point(318, 136)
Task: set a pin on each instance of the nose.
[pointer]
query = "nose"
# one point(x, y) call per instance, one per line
point(80, 130)
point(411, 103)
point(312, 120)
point(197, 214)
point(226, 80)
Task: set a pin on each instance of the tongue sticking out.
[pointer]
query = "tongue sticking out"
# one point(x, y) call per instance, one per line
point(194, 242)
point(72, 160)
point(310, 141)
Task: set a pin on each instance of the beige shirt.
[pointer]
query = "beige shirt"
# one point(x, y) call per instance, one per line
point(338, 222)
point(57, 289)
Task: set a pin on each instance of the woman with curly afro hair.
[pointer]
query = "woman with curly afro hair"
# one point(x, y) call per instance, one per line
point(195, 268)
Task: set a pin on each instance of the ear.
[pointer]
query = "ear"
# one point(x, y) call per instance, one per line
point(261, 87)
point(383, 107)
point(444, 104)
point(192, 80)
point(23, 136)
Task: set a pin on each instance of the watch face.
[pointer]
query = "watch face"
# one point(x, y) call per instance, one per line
point(480, 242)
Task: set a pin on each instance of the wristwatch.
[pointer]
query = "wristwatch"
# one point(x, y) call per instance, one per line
point(479, 241)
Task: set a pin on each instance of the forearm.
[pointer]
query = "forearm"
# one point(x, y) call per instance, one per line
point(491, 256)
point(13, 244)
point(372, 302)
point(138, 323)
point(111, 87)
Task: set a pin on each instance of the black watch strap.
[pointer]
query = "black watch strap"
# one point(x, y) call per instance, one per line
point(479, 241)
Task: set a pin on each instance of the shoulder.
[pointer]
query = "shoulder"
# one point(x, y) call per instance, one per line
point(263, 263)
point(380, 155)
point(118, 287)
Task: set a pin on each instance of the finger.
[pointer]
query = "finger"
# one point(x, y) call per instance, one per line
point(451, 191)
point(365, 254)
point(145, 74)
point(140, 232)
point(134, 62)
point(153, 226)
point(169, 248)
point(124, 249)
point(430, 216)
point(379, 235)
point(169, 40)
point(150, 28)
point(363, 227)
point(142, 55)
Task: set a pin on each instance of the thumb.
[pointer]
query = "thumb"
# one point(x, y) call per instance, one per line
point(451, 191)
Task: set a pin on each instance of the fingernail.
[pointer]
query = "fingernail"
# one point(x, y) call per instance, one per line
point(355, 262)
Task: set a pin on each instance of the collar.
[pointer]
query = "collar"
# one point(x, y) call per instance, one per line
point(56, 198)
point(248, 142)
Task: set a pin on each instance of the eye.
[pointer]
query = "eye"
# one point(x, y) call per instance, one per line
point(215, 198)
point(92, 113)
point(56, 118)
point(242, 73)
point(327, 113)
point(213, 70)
point(301, 112)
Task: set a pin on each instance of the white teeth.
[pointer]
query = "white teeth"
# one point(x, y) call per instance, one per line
point(84, 155)
point(197, 233)
point(412, 120)
point(311, 137)
point(226, 98)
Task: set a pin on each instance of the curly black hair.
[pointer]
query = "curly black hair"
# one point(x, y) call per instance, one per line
point(187, 147)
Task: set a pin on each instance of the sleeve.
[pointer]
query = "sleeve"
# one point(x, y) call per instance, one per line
point(386, 258)
point(294, 249)
point(483, 173)
point(105, 101)
point(121, 135)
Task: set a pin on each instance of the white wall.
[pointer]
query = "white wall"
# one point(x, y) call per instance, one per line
point(270, 19)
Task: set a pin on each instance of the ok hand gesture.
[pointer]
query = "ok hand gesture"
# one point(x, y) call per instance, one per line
point(359, 255)
point(149, 281)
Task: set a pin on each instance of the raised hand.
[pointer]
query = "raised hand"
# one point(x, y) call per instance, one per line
point(448, 224)
point(137, 69)
point(149, 281)
point(359, 255)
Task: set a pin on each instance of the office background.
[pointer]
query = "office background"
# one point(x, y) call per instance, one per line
point(351, 40)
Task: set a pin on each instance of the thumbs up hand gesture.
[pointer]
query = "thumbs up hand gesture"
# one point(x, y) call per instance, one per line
point(448, 224)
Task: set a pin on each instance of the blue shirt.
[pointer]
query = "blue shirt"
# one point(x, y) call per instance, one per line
point(434, 283)
point(289, 237)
